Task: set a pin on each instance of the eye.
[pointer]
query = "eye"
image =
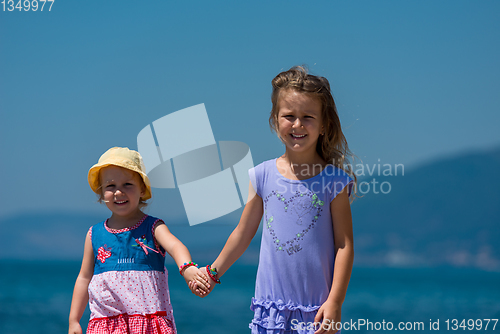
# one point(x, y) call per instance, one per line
point(110, 185)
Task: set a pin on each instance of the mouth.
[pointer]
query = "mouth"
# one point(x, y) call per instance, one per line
point(120, 202)
point(296, 136)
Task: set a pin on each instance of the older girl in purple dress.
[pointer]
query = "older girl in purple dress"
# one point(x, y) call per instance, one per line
point(303, 197)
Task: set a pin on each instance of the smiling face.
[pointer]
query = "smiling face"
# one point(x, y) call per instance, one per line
point(121, 190)
point(299, 121)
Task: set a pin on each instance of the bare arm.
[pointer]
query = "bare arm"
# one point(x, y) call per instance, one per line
point(344, 246)
point(80, 292)
point(330, 311)
point(179, 252)
point(173, 246)
point(242, 235)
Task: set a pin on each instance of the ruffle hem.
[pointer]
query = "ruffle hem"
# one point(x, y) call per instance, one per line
point(272, 317)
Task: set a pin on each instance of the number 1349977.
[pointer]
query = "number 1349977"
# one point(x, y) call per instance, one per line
point(27, 5)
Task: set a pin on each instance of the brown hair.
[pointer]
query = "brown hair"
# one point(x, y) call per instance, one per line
point(332, 146)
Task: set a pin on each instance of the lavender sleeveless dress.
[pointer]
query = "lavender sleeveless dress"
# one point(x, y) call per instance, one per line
point(297, 251)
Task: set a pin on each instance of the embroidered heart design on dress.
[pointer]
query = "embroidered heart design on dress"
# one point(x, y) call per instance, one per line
point(302, 208)
point(300, 205)
point(103, 253)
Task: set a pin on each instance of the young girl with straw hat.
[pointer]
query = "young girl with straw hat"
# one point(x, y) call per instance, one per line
point(123, 275)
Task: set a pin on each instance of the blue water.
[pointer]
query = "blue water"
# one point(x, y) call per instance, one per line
point(35, 298)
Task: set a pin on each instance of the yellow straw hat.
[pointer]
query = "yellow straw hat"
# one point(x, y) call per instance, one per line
point(121, 157)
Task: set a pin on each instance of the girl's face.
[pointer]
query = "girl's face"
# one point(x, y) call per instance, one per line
point(299, 120)
point(121, 189)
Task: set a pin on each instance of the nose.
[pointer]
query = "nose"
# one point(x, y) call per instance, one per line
point(297, 123)
point(118, 192)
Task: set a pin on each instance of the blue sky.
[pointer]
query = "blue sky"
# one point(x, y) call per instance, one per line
point(413, 80)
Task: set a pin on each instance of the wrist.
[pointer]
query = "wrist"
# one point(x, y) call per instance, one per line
point(212, 272)
point(335, 302)
point(218, 268)
point(186, 265)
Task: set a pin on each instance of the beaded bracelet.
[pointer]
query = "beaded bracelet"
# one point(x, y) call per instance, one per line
point(187, 264)
point(213, 274)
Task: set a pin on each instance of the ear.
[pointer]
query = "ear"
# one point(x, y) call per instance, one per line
point(143, 188)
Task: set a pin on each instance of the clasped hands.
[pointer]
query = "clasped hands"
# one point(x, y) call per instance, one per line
point(198, 280)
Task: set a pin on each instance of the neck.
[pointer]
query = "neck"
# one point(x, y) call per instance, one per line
point(118, 222)
point(303, 158)
point(300, 165)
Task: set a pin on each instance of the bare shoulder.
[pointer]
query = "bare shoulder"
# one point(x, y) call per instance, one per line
point(160, 226)
point(341, 200)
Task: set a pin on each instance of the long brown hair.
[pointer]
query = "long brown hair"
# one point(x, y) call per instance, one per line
point(332, 145)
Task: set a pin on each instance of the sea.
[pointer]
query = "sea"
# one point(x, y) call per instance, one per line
point(35, 298)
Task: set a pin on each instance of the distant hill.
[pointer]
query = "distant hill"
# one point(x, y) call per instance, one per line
point(443, 213)
point(44, 236)
point(61, 236)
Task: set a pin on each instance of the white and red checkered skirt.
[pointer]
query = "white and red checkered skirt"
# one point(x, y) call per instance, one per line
point(130, 324)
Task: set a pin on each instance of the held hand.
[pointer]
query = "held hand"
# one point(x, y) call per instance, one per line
point(212, 283)
point(193, 286)
point(196, 280)
point(75, 328)
point(329, 314)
